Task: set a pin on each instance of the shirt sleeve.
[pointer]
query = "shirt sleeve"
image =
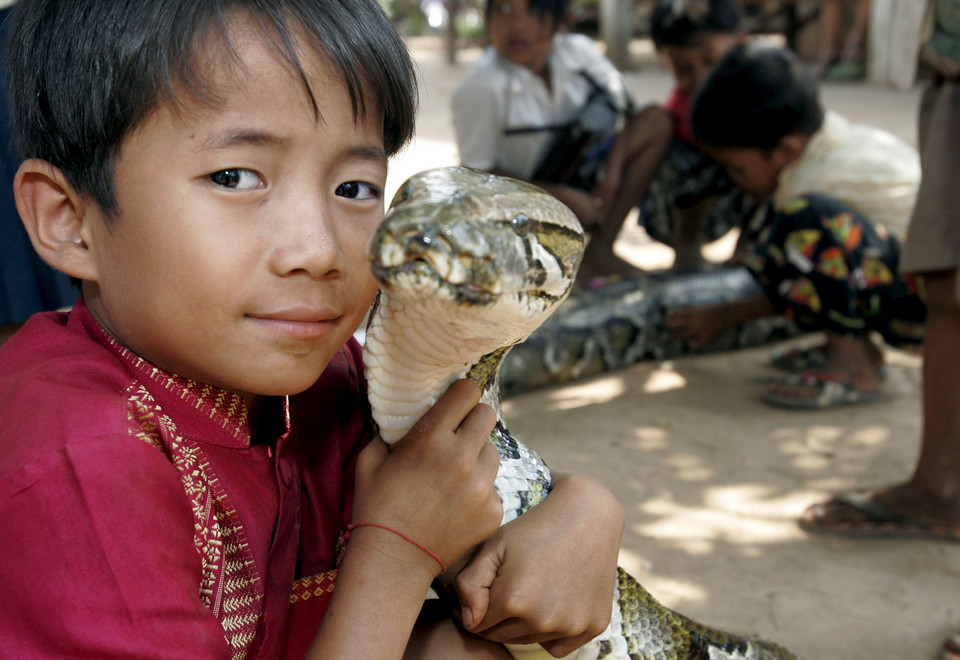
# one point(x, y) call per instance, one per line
point(478, 120)
point(588, 57)
point(85, 572)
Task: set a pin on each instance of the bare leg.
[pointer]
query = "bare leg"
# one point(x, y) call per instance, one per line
point(637, 155)
point(853, 45)
point(828, 27)
point(646, 141)
point(932, 494)
point(688, 234)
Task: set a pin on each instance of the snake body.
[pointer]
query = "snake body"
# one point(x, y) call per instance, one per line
point(469, 265)
point(623, 322)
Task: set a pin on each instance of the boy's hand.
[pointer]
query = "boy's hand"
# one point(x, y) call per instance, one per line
point(696, 326)
point(436, 484)
point(547, 577)
point(699, 325)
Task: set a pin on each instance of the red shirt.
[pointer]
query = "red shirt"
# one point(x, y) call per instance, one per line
point(138, 519)
point(678, 105)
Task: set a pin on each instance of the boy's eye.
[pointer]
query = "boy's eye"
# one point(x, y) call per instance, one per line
point(237, 179)
point(358, 190)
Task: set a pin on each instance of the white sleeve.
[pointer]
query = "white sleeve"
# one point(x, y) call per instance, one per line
point(599, 67)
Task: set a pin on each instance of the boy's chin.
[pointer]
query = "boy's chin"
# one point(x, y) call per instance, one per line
point(277, 382)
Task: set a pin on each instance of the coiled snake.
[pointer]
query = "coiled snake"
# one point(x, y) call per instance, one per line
point(469, 265)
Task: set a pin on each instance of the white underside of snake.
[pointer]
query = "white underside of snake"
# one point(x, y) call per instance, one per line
point(469, 265)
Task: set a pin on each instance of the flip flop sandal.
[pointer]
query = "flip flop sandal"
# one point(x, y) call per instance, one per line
point(831, 391)
point(874, 520)
point(845, 71)
point(800, 359)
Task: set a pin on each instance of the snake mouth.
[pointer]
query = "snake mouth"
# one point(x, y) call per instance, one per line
point(422, 275)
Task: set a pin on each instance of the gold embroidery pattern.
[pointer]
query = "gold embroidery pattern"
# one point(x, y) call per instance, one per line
point(230, 585)
point(219, 405)
point(313, 586)
point(322, 583)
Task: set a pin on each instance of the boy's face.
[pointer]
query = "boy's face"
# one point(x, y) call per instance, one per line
point(691, 64)
point(755, 171)
point(520, 35)
point(237, 257)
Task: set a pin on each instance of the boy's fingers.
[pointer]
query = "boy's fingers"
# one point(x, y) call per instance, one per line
point(480, 420)
point(473, 588)
point(454, 405)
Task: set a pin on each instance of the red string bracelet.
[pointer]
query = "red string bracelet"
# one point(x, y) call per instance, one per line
point(353, 526)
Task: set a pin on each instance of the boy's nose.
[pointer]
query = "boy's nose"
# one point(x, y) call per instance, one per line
point(308, 243)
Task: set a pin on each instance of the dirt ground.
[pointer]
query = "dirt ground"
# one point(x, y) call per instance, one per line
point(712, 479)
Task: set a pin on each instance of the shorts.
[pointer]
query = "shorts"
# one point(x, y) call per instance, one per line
point(933, 237)
point(685, 178)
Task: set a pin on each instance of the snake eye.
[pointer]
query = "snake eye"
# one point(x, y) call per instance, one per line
point(403, 194)
point(521, 224)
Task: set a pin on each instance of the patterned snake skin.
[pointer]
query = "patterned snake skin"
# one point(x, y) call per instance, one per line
point(469, 265)
point(623, 322)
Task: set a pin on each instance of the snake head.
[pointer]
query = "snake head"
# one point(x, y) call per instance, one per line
point(474, 239)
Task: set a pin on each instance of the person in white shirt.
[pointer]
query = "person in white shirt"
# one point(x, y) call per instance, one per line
point(534, 86)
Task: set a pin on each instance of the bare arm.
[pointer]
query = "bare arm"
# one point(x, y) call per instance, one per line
point(698, 325)
point(436, 487)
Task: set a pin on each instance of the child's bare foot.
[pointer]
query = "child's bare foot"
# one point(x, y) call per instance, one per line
point(813, 357)
point(851, 373)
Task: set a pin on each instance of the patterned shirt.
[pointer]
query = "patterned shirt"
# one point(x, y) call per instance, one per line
point(140, 519)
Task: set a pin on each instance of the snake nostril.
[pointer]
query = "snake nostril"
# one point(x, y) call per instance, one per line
point(422, 242)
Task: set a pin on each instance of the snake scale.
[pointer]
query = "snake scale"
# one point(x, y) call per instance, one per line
point(469, 265)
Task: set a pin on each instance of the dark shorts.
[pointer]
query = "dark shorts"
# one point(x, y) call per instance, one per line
point(685, 178)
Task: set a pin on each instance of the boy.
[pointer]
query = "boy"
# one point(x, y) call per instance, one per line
point(688, 200)
point(180, 455)
point(820, 248)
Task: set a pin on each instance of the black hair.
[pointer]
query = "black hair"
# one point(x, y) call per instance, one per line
point(84, 73)
point(685, 22)
point(755, 96)
point(553, 9)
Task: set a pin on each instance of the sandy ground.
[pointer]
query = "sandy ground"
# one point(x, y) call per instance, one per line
point(712, 480)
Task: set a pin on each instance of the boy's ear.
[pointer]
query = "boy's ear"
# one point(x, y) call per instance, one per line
point(55, 218)
point(791, 147)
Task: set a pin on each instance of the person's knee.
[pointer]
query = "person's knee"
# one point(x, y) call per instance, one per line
point(652, 126)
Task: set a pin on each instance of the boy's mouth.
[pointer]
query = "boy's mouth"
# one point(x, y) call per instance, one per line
point(299, 314)
point(297, 322)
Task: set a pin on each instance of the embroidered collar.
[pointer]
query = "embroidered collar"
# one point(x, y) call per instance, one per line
point(221, 416)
